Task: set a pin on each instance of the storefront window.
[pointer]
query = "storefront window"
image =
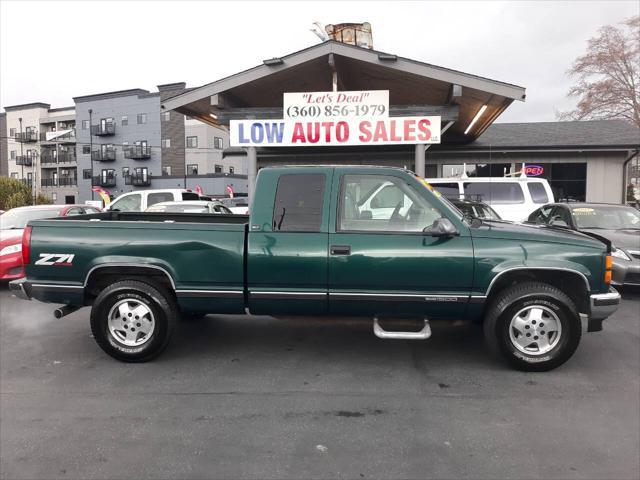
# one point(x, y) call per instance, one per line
point(568, 181)
point(632, 192)
point(476, 170)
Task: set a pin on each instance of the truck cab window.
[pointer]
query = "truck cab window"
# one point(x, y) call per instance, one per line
point(130, 203)
point(158, 197)
point(298, 203)
point(382, 203)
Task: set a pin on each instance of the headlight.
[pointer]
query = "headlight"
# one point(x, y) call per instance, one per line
point(17, 248)
point(615, 252)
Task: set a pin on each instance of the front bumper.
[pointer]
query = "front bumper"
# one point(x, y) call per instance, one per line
point(602, 305)
point(626, 272)
point(20, 288)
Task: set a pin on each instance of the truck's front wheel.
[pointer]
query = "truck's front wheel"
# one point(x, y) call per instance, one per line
point(534, 326)
point(132, 321)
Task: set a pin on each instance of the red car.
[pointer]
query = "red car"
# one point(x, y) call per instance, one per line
point(12, 223)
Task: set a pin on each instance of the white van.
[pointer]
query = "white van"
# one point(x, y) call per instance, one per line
point(140, 200)
point(514, 198)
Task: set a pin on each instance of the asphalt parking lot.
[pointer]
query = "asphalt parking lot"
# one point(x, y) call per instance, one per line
point(261, 398)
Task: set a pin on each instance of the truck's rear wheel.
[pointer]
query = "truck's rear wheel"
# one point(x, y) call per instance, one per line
point(534, 326)
point(132, 321)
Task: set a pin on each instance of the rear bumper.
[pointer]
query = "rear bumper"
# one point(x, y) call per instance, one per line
point(602, 306)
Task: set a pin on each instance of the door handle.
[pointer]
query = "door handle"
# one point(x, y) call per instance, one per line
point(340, 250)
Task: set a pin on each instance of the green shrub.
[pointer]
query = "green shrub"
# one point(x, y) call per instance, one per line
point(14, 193)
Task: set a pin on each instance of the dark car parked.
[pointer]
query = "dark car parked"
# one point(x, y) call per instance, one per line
point(618, 223)
point(474, 209)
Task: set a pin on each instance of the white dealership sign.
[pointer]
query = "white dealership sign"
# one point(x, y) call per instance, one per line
point(339, 131)
point(335, 118)
point(312, 105)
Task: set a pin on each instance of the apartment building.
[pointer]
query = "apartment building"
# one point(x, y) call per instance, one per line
point(4, 151)
point(41, 149)
point(204, 150)
point(119, 141)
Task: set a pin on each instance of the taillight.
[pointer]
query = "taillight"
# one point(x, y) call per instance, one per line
point(608, 264)
point(26, 245)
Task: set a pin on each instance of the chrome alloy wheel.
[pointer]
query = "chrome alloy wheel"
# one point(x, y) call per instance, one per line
point(535, 330)
point(131, 322)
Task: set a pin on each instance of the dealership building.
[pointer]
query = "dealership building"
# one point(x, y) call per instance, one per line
point(588, 160)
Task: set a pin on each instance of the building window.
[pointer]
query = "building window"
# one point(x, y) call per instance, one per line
point(125, 172)
point(14, 174)
point(86, 173)
point(13, 154)
point(231, 170)
point(30, 154)
point(166, 171)
point(12, 132)
point(125, 120)
point(166, 143)
point(85, 124)
point(142, 118)
point(218, 143)
point(217, 169)
point(192, 169)
point(86, 149)
point(54, 196)
point(165, 116)
point(192, 142)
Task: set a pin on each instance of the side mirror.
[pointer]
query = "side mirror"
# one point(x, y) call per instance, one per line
point(441, 227)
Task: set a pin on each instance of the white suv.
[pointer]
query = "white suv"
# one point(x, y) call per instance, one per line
point(140, 200)
point(513, 198)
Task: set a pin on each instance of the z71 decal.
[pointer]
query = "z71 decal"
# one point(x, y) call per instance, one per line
point(56, 259)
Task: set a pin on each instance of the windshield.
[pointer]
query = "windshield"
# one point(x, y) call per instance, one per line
point(608, 217)
point(18, 218)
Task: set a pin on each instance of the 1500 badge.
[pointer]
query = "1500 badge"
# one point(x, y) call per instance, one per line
point(56, 259)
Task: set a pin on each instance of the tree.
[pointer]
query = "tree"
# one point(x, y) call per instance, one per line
point(608, 75)
point(14, 193)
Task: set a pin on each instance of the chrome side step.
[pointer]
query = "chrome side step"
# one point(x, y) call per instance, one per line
point(382, 333)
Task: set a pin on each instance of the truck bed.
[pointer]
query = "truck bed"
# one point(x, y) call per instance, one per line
point(159, 217)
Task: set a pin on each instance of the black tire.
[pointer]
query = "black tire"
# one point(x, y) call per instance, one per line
point(515, 299)
point(163, 312)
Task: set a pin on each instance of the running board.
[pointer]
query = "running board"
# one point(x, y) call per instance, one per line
point(382, 333)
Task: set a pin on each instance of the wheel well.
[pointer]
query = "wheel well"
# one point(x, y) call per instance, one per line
point(571, 283)
point(104, 276)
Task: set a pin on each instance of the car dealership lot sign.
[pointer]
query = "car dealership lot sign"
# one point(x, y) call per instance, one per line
point(333, 119)
point(311, 105)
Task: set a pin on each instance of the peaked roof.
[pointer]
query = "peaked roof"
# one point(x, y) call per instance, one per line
point(410, 83)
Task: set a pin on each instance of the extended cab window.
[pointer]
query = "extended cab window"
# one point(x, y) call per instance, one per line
point(383, 204)
point(538, 192)
point(298, 204)
point(158, 197)
point(130, 203)
point(496, 193)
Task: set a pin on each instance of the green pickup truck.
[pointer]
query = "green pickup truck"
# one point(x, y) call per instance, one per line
point(328, 241)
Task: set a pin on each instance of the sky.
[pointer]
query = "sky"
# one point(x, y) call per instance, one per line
point(52, 51)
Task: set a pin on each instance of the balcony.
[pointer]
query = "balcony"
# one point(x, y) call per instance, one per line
point(48, 157)
point(59, 182)
point(138, 180)
point(26, 137)
point(104, 181)
point(69, 137)
point(137, 152)
point(24, 161)
point(104, 155)
point(103, 129)
point(67, 156)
